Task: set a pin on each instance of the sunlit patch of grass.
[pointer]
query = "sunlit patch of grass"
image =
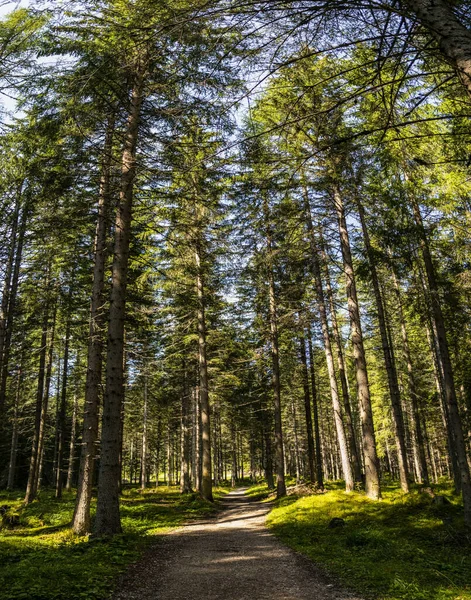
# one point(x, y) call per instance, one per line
point(261, 491)
point(399, 548)
point(41, 558)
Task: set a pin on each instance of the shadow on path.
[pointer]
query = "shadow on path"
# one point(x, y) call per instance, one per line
point(233, 557)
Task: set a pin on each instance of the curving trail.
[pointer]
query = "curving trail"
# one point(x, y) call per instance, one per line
point(230, 557)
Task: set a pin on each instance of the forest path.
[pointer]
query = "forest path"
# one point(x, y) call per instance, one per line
point(230, 557)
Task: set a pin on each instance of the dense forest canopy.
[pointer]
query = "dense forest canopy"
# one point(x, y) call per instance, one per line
point(235, 241)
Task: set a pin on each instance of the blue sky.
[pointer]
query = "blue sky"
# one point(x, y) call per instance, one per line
point(7, 6)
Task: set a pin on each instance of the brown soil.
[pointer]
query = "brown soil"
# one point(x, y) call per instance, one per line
point(230, 557)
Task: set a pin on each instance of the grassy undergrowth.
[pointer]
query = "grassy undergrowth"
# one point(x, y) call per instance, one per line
point(41, 559)
point(261, 491)
point(399, 548)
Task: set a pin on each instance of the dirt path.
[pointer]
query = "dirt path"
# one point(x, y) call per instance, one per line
point(231, 557)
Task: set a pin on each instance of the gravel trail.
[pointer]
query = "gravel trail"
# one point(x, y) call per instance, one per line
point(230, 557)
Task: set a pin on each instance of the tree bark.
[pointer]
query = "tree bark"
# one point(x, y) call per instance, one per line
point(108, 520)
point(70, 470)
point(454, 419)
point(10, 307)
point(206, 466)
point(413, 393)
point(81, 519)
point(307, 409)
point(453, 37)
point(60, 431)
point(144, 439)
point(31, 487)
point(185, 479)
point(350, 430)
point(393, 384)
point(275, 358)
point(4, 305)
point(317, 435)
point(14, 434)
point(321, 305)
point(47, 387)
point(372, 480)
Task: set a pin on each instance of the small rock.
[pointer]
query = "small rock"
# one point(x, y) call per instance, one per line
point(336, 522)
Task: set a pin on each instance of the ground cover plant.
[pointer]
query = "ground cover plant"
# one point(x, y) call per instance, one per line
point(404, 547)
point(41, 558)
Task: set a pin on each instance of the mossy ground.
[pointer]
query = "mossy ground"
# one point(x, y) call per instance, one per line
point(41, 559)
point(399, 548)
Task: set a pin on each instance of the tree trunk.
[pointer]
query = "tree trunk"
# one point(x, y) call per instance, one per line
point(317, 435)
point(206, 467)
point(61, 414)
point(108, 520)
point(418, 437)
point(320, 298)
point(185, 479)
point(31, 488)
point(9, 308)
point(275, 358)
point(307, 408)
point(197, 447)
point(81, 519)
point(234, 474)
point(372, 481)
point(454, 419)
point(453, 37)
point(144, 439)
point(350, 430)
point(297, 461)
point(4, 305)
point(47, 387)
point(393, 384)
point(14, 434)
point(70, 470)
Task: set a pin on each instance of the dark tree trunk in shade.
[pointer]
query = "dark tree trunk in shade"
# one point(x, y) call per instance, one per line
point(443, 355)
point(418, 438)
point(73, 427)
point(8, 310)
point(60, 431)
point(81, 519)
point(47, 388)
point(185, 478)
point(315, 407)
point(6, 292)
point(15, 430)
point(31, 487)
point(206, 458)
point(144, 440)
point(308, 412)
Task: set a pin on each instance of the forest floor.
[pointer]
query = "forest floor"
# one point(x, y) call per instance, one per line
point(403, 548)
point(41, 558)
point(232, 556)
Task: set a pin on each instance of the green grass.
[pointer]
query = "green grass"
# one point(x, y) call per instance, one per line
point(399, 548)
point(260, 491)
point(41, 559)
